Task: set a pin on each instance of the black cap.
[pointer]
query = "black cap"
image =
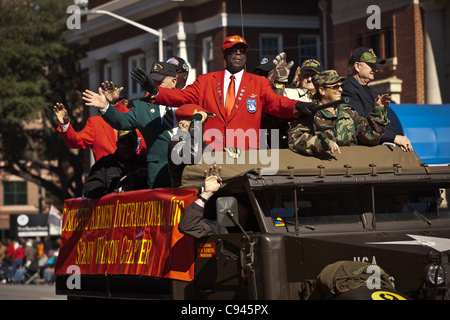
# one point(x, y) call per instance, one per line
point(266, 63)
point(160, 70)
point(312, 64)
point(131, 134)
point(362, 54)
point(179, 63)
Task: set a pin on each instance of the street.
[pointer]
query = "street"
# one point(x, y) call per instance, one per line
point(28, 292)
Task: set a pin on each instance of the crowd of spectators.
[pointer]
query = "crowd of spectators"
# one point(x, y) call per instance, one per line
point(28, 260)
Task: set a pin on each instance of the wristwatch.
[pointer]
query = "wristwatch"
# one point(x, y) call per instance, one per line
point(201, 198)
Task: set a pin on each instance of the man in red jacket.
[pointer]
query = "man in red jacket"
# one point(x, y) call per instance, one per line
point(97, 134)
point(236, 97)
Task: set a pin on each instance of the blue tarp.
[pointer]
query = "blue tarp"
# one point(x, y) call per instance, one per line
point(427, 127)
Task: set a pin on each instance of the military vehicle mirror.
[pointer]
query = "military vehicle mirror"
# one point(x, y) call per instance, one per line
point(224, 205)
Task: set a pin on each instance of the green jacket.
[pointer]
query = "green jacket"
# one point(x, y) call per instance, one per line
point(145, 116)
point(314, 135)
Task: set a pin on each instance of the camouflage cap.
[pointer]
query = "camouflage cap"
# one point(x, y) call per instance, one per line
point(326, 77)
point(362, 54)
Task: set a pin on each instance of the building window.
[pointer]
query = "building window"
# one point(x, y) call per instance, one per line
point(270, 44)
point(136, 62)
point(107, 72)
point(207, 55)
point(374, 41)
point(308, 48)
point(15, 193)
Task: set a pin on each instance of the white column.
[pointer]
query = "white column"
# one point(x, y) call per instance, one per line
point(116, 68)
point(94, 77)
point(184, 47)
point(434, 37)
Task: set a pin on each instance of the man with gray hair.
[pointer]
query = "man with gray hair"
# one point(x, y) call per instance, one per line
point(364, 66)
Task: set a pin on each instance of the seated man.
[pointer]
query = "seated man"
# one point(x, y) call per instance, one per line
point(107, 172)
point(364, 66)
point(186, 147)
point(192, 222)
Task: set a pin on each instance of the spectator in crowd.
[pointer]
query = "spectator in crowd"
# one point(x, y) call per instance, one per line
point(336, 126)
point(182, 70)
point(14, 260)
point(236, 97)
point(2, 253)
point(97, 134)
point(106, 173)
point(157, 123)
point(364, 66)
point(49, 267)
point(29, 265)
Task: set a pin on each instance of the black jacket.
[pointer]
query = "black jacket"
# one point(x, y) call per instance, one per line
point(362, 102)
point(184, 149)
point(108, 170)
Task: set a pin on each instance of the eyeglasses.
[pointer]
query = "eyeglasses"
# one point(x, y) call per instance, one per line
point(336, 87)
point(235, 49)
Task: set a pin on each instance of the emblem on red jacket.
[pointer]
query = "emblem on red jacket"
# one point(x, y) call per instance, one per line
point(251, 105)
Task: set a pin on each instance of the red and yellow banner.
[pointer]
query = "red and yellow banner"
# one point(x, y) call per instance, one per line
point(129, 233)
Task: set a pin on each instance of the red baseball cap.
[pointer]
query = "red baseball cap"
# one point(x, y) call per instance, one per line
point(185, 112)
point(233, 40)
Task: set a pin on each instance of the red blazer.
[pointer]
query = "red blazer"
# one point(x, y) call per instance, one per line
point(98, 135)
point(254, 97)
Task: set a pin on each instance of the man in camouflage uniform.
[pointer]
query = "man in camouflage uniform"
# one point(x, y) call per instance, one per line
point(337, 126)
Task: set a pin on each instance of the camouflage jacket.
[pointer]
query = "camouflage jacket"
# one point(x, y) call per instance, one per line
point(314, 135)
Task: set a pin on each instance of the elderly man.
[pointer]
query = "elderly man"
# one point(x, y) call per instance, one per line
point(364, 66)
point(302, 87)
point(237, 98)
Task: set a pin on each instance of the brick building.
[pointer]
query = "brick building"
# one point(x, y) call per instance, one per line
point(413, 36)
point(194, 30)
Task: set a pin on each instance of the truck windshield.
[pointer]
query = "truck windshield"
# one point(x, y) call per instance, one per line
point(404, 204)
point(314, 207)
point(345, 205)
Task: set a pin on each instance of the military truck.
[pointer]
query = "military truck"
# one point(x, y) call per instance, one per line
point(293, 220)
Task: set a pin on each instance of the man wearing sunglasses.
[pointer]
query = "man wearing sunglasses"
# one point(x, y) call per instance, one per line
point(237, 98)
point(364, 66)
